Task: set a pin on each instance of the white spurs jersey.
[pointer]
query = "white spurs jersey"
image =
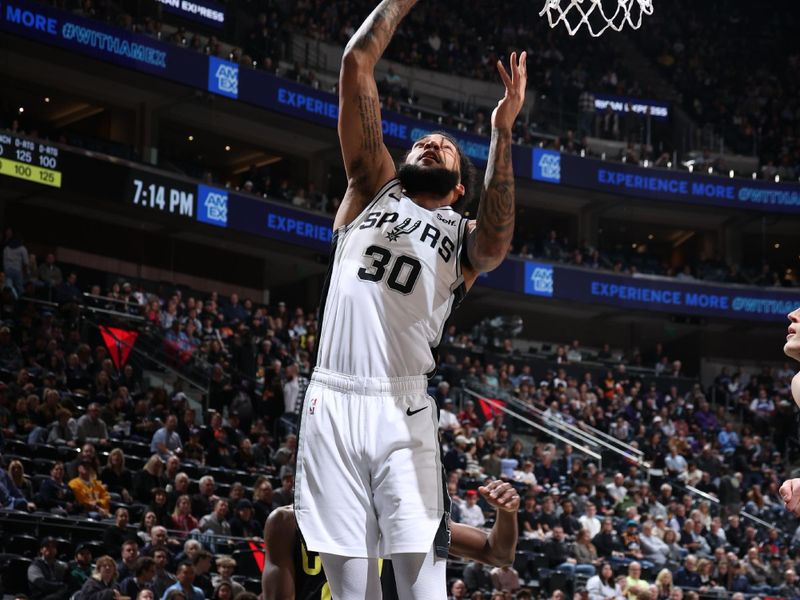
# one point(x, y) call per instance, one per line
point(393, 280)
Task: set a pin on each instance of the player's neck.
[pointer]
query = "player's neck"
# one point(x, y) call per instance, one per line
point(431, 201)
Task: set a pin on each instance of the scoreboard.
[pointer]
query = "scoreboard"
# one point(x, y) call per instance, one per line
point(29, 159)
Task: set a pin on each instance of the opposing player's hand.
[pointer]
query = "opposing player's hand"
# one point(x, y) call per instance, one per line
point(501, 495)
point(511, 103)
point(790, 492)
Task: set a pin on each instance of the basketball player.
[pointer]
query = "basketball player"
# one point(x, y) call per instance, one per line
point(291, 572)
point(369, 476)
point(790, 490)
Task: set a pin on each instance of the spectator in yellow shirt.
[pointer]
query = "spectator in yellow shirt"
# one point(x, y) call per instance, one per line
point(90, 494)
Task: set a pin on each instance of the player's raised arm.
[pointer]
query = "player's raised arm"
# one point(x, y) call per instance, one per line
point(367, 162)
point(277, 580)
point(497, 547)
point(490, 235)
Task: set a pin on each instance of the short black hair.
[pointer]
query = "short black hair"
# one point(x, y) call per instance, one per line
point(143, 564)
point(465, 168)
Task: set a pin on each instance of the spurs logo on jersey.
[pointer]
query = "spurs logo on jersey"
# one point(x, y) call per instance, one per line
point(405, 228)
point(394, 278)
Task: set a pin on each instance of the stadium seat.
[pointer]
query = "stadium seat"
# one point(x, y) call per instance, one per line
point(25, 545)
point(14, 574)
point(46, 451)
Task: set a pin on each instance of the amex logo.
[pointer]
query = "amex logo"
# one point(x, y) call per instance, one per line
point(212, 206)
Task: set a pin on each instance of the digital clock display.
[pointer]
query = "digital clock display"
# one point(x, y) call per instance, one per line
point(161, 194)
point(29, 159)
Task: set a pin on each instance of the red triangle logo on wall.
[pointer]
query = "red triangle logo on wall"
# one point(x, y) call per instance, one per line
point(119, 343)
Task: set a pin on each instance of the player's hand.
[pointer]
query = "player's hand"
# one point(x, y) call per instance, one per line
point(501, 495)
point(790, 492)
point(511, 103)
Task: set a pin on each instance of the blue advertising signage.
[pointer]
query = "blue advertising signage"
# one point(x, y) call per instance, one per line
point(212, 205)
point(134, 51)
point(667, 295)
point(100, 41)
point(678, 186)
point(223, 77)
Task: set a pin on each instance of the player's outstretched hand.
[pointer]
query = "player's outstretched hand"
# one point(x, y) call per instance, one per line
point(501, 495)
point(511, 103)
point(790, 492)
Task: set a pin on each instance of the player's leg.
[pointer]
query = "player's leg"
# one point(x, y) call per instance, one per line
point(420, 576)
point(352, 578)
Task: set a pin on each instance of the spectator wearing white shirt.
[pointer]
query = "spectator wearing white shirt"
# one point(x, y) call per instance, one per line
point(589, 520)
point(471, 513)
point(617, 489)
point(166, 440)
point(447, 418)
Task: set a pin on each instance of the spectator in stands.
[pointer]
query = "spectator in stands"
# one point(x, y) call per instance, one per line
point(505, 578)
point(54, 494)
point(143, 573)
point(10, 353)
point(80, 567)
point(116, 478)
point(602, 586)
point(285, 494)
point(16, 472)
point(583, 551)
point(607, 542)
point(185, 583)
point(589, 521)
point(203, 501)
point(558, 556)
point(163, 579)
point(182, 519)
point(114, 536)
point(126, 566)
point(68, 291)
point(166, 442)
point(90, 495)
point(15, 263)
point(471, 513)
point(202, 568)
point(149, 478)
point(47, 576)
point(687, 575)
point(226, 567)
point(634, 584)
point(103, 585)
point(448, 421)
point(790, 588)
point(263, 502)
point(91, 428)
point(242, 523)
point(49, 272)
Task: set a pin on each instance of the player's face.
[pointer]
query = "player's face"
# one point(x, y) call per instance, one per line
point(792, 346)
point(434, 151)
point(432, 168)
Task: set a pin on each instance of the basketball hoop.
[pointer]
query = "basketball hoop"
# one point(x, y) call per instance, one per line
point(576, 13)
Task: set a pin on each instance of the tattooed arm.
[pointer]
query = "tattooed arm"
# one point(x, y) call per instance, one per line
point(367, 162)
point(489, 237)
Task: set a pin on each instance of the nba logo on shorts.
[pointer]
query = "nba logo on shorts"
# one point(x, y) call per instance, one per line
point(546, 165)
point(223, 77)
point(538, 279)
point(313, 406)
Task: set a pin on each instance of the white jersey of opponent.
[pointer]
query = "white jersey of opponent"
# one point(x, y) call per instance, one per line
point(394, 277)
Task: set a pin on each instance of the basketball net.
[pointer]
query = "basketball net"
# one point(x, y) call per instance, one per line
point(577, 13)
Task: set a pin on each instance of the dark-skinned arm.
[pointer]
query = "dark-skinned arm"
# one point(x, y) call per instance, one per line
point(489, 236)
point(367, 162)
point(277, 580)
point(497, 547)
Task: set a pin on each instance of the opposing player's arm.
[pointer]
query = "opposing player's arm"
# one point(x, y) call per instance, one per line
point(277, 580)
point(497, 547)
point(489, 236)
point(367, 162)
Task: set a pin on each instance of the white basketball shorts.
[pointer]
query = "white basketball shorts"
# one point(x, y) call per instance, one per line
point(369, 479)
